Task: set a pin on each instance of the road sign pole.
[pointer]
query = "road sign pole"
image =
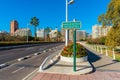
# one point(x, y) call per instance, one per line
point(66, 31)
point(74, 50)
point(73, 25)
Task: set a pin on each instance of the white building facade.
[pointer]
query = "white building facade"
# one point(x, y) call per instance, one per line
point(23, 32)
point(99, 31)
point(41, 33)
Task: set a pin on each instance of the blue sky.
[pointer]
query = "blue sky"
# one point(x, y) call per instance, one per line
point(50, 12)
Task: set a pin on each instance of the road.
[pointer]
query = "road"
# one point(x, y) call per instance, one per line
point(9, 55)
point(19, 70)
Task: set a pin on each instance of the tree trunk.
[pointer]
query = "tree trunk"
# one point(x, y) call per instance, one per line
point(35, 33)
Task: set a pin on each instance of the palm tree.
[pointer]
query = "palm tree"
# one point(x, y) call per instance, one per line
point(35, 22)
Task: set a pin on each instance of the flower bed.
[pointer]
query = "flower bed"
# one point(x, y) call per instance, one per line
point(67, 53)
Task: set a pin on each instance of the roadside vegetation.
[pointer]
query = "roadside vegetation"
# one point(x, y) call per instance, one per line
point(8, 40)
point(100, 41)
point(112, 18)
point(112, 40)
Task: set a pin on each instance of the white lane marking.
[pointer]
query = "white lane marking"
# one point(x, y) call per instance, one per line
point(25, 78)
point(18, 70)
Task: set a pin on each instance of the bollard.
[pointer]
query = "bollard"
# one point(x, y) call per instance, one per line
point(113, 54)
point(106, 52)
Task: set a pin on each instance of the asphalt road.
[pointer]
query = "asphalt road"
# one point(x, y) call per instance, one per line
point(9, 55)
point(19, 70)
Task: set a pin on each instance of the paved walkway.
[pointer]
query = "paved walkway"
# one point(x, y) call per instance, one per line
point(104, 69)
point(102, 62)
point(93, 76)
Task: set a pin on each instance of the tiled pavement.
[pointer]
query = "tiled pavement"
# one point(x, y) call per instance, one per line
point(98, 75)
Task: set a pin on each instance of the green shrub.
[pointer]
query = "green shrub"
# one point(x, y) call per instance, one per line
point(68, 51)
point(100, 40)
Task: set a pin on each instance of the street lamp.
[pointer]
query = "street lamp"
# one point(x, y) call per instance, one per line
point(27, 32)
point(67, 35)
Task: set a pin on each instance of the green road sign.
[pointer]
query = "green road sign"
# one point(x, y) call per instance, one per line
point(71, 25)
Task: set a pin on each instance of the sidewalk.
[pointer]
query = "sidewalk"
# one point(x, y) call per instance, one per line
point(102, 62)
point(62, 67)
point(104, 69)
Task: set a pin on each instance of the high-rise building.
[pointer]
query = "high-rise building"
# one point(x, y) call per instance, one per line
point(99, 31)
point(13, 27)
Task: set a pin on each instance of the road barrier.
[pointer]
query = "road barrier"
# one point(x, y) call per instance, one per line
point(3, 65)
point(51, 59)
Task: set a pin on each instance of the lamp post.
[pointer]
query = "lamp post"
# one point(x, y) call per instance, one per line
point(67, 33)
point(27, 32)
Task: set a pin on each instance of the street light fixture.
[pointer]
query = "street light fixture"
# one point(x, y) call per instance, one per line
point(71, 2)
point(67, 35)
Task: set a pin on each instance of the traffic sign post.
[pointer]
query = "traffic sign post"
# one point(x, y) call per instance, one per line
point(74, 50)
point(73, 25)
